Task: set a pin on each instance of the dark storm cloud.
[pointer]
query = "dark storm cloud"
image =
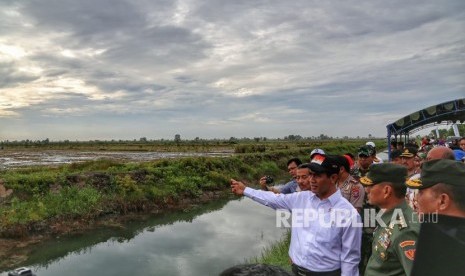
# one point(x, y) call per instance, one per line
point(85, 18)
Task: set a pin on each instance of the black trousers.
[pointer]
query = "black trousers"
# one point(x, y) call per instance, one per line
point(300, 271)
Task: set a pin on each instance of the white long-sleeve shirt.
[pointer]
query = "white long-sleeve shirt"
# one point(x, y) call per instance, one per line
point(326, 234)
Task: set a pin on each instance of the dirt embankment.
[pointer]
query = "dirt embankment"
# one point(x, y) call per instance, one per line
point(16, 243)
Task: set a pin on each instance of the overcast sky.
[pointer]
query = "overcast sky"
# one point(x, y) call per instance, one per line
point(126, 69)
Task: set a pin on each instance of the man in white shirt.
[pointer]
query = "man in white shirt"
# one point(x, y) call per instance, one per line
point(326, 229)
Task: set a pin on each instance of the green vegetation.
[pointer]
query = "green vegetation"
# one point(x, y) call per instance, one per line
point(85, 191)
point(276, 254)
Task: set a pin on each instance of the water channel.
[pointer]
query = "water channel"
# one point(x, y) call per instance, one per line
point(202, 241)
point(13, 159)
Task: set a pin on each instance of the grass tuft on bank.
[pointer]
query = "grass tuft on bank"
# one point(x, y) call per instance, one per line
point(276, 254)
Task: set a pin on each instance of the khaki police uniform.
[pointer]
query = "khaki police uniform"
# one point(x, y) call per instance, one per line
point(353, 191)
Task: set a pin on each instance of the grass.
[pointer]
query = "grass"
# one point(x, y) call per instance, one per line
point(86, 190)
point(276, 254)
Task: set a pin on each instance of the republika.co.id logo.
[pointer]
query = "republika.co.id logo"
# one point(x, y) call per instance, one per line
point(346, 218)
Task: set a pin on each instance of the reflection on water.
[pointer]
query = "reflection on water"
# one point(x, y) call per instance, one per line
point(203, 241)
point(11, 159)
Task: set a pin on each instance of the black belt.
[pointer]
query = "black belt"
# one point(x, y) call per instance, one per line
point(300, 271)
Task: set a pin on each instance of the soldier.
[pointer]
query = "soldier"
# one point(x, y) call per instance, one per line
point(376, 158)
point(365, 159)
point(441, 205)
point(407, 157)
point(408, 160)
point(395, 157)
point(394, 239)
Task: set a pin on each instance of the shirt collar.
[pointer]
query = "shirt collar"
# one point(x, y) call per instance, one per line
point(386, 217)
point(333, 199)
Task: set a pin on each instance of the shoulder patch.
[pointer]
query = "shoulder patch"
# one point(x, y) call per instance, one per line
point(406, 243)
point(410, 254)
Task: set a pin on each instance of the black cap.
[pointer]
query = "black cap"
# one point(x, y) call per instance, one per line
point(324, 164)
point(395, 154)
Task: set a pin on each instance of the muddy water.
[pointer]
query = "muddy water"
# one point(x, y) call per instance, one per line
point(202, 241)
point(11, 159)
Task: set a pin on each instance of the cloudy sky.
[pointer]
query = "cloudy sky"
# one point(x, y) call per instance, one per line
point(125, 69)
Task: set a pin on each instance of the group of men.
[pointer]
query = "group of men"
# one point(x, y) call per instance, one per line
point(332, 211)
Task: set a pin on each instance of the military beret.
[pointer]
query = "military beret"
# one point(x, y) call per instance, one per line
point(436, 171)
point(385, 172)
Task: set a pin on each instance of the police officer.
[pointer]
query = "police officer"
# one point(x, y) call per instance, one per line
point(350, 188)
point(360, 169)
point(394, 239)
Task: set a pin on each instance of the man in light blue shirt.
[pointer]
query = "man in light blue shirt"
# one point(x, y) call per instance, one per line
point(326, 229)
point(289, 187)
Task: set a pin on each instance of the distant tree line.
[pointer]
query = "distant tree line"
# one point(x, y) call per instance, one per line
point(177, 139)
point(448, 132)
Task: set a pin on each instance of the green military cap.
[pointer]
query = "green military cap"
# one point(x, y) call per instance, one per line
point(366, 150)
point(385, 172)
point(446, 171)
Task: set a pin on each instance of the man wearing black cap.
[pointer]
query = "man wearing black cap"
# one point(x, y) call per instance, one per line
point(407, 157)
point(325, 234)
point(364, 161)
point(441, 206)
point(408, 160)
point(395, 156)
point(394, 239)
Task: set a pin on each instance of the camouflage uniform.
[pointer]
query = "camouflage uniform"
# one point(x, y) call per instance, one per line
point(358, 172)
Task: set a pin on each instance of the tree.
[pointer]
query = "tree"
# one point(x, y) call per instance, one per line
point(177, 138)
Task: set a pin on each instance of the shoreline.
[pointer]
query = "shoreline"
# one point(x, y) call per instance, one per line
point(14, 251)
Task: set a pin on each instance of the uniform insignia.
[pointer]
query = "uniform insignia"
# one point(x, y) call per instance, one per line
point(383, 256)
point(414, 183)
point(410, 254)
point(366, 181)
point(407, 243)
point(384, 240)
point(355, 191)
